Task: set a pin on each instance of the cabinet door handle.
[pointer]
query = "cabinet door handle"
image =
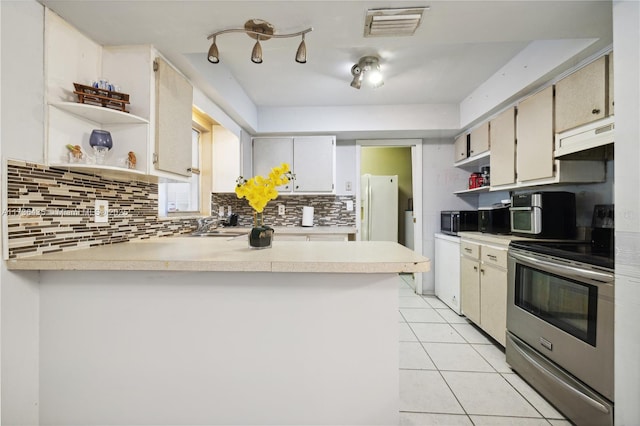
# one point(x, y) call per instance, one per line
point(482, 270)
point(467, 249)
point(492, 257)
point(475, 268)
point(595, 111)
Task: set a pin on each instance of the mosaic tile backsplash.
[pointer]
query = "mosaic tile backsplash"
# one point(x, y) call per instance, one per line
point(328, 210)
point(50, 209)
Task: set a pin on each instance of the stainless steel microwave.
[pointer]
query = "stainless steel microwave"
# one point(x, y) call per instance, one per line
point(452, 222)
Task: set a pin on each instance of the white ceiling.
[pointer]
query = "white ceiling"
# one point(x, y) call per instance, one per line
point(458, 46)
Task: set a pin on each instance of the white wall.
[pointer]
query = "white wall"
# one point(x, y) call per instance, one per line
point(439, 181)
point(339, 119)
point(534, 65)
point(626, 48)
point(22, 136)
point(345, 167)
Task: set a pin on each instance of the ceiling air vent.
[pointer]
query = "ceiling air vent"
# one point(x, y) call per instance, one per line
point(392, 22)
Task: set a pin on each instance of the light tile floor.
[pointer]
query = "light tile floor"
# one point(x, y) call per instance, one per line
point(451, 373)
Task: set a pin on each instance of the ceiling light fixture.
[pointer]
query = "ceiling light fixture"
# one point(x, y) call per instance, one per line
point(259, 30)
point(367, 69)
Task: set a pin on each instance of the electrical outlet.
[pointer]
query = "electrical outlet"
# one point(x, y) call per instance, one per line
point(228, 210)
point(221, 211)
point(281, 209)
point(349, 206)
point(347, 186)
point(101, 212)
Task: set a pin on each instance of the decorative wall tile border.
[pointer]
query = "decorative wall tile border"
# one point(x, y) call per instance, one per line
point(329, 210)
point(51, 209)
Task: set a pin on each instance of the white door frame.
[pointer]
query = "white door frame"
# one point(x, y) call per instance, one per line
point(416, 179)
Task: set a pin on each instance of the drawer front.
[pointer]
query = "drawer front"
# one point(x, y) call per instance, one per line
point(470, 249)
point(494, 256)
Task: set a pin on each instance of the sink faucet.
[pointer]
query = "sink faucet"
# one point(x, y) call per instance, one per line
point(205, 224)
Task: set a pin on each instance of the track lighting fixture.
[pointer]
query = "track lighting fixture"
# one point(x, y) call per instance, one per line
point(367, 69)
point(213, 56)
point(259, 30)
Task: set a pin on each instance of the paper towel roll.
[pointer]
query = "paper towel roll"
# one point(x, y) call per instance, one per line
point(307, 216)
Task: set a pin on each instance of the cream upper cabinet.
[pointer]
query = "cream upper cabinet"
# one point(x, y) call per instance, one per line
point(314, 159)
point(479, 139)
point(174, 102)
point(271, 152)
point(610, 81)
point(311, 158)
point(460, 148)
point(502, 133)
point(582, 97)
point(534, 151)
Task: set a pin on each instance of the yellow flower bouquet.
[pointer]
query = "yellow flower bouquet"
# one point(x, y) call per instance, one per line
point(258, 191)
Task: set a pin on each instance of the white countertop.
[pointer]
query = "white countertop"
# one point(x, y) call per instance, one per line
point(221, 254)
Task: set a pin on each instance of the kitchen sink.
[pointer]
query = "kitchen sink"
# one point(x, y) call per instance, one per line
point(218, 233)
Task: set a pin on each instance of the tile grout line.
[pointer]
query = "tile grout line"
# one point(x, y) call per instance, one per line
point(466, 342)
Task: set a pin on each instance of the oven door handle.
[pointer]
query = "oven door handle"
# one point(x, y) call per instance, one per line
point(586, 398)
point(566, 270)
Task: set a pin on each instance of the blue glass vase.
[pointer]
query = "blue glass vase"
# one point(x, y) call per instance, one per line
point(100, 139)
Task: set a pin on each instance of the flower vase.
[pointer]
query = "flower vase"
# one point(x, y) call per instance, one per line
point(261, 235)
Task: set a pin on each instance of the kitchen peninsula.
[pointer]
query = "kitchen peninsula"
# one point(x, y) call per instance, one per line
point(191, 330)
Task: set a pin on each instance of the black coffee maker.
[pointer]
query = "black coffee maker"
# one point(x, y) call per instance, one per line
point(602, 229)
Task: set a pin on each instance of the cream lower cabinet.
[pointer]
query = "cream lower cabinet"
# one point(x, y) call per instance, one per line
point(493, 292)
point(470, 280)
point(483, 281)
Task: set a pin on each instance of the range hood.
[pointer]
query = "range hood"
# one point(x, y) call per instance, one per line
point(592, 135)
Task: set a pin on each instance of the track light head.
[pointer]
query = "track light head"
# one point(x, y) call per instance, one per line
point(256, 53)
point(213, 56)
point(301, 53)
point(367, 69)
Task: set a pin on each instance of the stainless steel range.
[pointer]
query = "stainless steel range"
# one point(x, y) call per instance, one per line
point(560, 325)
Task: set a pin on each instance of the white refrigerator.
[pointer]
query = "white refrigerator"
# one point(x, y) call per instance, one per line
point(379, 204)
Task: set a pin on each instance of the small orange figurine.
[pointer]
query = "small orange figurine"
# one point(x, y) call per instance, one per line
point(132, 160)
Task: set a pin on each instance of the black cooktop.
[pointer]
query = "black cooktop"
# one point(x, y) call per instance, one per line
point(579, 251)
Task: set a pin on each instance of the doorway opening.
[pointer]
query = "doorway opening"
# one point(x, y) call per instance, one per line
point(390, 161)
point(401, 158)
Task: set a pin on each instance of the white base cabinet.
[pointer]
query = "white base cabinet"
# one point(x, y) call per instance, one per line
point(447, 271)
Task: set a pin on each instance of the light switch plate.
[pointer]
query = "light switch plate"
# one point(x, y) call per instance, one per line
point(281, 209)
point(101, 213)
point(349, 206)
